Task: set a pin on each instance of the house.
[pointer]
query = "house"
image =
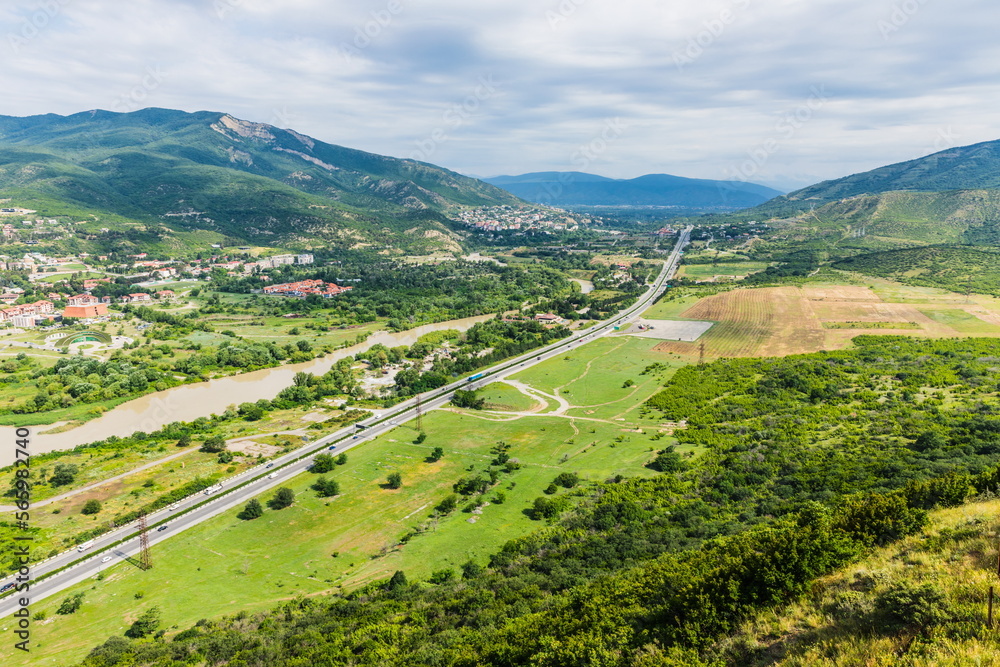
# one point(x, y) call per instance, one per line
point(304, 288)
point(548, 318)
point(91, 283)
point(165, 294)
point(138, 297)
point(82, 300)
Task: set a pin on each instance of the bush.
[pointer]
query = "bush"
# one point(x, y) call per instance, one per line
point(322, 463)
point(567, 480)
point(284, 497)
point(214, 444)
point(341, 459)
point(253, 510)
point(908, 604)
point(70, 604)
point(442, 576)
point(91, 507)
point(394, 480)
point(145, 625)
point(547, 508)
point(667, 460)
point(64, 474)
point(326, 488)
point(447, 505)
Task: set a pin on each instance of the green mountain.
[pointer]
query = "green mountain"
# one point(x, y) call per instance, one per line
point(975, 167)
point(573, 188)
point(949, 197)
point(249, 181)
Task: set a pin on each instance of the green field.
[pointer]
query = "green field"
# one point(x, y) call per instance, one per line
point(226, 565)
point(960, 320)
point(739, 269)
point(670, 309)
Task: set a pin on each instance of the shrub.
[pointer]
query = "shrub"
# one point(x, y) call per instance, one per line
point(252, 510)
point(70, 604)
point(91, 507)
point(284, 497)
point(907, 604)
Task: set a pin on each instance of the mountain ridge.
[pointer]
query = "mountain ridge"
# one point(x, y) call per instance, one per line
point(659, 190)
point(245, 179)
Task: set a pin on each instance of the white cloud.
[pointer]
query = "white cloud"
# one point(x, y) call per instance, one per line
point(700, 85)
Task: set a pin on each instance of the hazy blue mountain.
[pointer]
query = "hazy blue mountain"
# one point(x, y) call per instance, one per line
point(660, 190)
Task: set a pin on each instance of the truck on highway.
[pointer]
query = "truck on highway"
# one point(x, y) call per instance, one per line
point(85, 545)
point(475, 377)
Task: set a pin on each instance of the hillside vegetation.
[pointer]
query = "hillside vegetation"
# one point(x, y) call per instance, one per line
point(811, 462)
point(958, 269)
point(212, 172)
point(922, 601)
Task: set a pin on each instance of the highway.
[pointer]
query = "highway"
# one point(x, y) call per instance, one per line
point(70, 567)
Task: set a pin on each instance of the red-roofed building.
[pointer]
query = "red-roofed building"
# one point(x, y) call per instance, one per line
point(82, 300)
point(304, 288)
point(87, 311)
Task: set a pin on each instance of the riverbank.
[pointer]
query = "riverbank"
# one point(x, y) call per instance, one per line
point(188, 402)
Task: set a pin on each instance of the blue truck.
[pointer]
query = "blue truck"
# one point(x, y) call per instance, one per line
point(475, 377)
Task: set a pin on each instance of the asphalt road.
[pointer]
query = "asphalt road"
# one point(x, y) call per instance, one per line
point(237, 490)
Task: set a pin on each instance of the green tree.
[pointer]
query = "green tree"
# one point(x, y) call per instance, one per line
point(145, 625)
point(442, 576)
point(70, 604)
point(567, 480)
point(213, 444)
point(397, 581)
point(667, 460)
point(447, 505)
point(326, 488)
point(253, 510)
point(284, 497)
point(63, 474)
point(471, 569)
point(394, 480)
point(420, 438)
point(468, 399)
point(92, 506)
point(436, 454)
point(322, 463)
point(341, 459)
point(184, 440)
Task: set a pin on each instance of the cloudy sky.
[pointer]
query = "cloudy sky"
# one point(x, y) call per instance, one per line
point(784, 92)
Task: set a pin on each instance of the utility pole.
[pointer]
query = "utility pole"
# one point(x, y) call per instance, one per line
point(145, 562)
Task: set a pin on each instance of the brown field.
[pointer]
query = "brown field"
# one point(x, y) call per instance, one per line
point(777, 321)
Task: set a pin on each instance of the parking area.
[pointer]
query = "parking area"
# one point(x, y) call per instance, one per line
point(669, 329)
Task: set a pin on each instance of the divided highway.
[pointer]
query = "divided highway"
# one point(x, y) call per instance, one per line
point(57, 573)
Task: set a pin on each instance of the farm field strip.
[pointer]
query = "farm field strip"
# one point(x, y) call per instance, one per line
point(776, 321)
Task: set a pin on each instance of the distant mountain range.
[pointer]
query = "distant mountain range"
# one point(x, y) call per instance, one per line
point(577, 189)
point(248, 181)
